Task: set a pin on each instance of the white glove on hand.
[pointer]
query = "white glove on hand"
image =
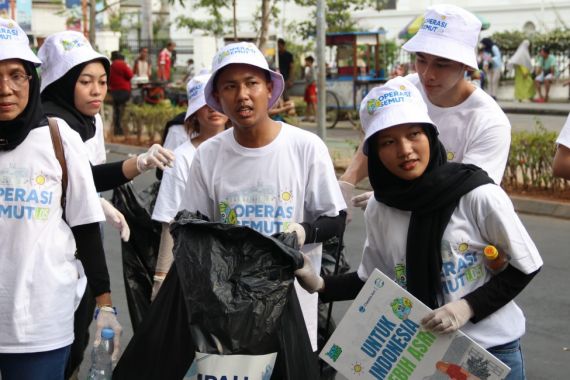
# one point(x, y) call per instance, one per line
point(116, 219)
point(155, 156)
point(156, 286)
point(448, 318)
point(362, 200)
point(299, 230)
point(308, 278)
point(347, 188)
point(106, 318)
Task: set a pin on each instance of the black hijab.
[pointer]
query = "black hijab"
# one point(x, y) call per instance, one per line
point(13, 132)
point(432, 199)
point(58, 100)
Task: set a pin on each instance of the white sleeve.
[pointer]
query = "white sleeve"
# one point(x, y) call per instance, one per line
point(322, 191)
point(500, 225)
point(83, 205)
point(371, 256)
point(196, 194)
point(564, 137)
point(169, 196)
point(491, 150)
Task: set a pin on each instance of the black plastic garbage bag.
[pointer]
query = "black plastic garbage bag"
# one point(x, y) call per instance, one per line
point(141, 251)
point(230, 291)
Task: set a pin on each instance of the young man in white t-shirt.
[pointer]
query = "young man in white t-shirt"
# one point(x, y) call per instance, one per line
point(472, 126)
point(264, 174)
point(561, 164)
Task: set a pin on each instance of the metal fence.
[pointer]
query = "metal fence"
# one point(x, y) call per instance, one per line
point(184, 48)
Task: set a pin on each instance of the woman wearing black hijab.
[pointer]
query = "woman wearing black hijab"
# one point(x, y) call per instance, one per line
point(41, 281)
point(428, 224)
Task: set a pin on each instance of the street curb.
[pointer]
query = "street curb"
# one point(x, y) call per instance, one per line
point(534, 111)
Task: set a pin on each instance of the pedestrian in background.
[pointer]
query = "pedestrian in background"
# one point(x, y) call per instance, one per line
point(544, 73)
point(561, 164)
point(120, 86)
point(286, 67)
point(522, 64)
point(494, 65)
point(142, 67)
point(310, 89)
point(51, 240)
point(165, 62)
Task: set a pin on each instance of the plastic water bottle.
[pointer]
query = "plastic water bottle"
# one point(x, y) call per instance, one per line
point(101, 362)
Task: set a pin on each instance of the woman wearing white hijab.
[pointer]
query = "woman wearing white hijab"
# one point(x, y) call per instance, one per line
point(524, 84)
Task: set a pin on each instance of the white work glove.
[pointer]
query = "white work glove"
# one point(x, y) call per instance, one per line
point(156, 286)
point(362, 200)
point(347, 188)
point(299, 230)
point(155, 156)
point(106, 317)
point(308, 278)
point(448, 318)
point(115, 218)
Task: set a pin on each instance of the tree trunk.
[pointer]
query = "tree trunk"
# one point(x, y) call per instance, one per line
point(92, 21)
point(234, 7)
point(265, 9)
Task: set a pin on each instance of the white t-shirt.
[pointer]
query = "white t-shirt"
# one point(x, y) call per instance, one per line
point(484, 216)
point(564, 136)
point(173, 184)
point(476, 131)
point(291, 179)
point(38, 269)
point(175, 137)
point(95, 146)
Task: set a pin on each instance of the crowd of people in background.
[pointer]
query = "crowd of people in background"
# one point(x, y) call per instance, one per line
point(434, 161)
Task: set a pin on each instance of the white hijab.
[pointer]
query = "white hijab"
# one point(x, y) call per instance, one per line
point(522, 56)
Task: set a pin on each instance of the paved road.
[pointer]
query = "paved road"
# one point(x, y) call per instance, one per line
point(545, 302)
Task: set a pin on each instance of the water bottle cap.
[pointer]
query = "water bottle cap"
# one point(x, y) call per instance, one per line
point(491, 252)
point(107, 333)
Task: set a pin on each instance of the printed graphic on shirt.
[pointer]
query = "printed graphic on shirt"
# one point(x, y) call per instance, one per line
point(461, 269)
point(263, 208)
point(400, 273)
point(450, 155)
point(23, 194)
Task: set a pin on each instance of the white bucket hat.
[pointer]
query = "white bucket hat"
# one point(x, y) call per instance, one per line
point(396, 102)
point(449, 32)
point(14, 43)
point(242, 53)
point(63, 51)
point(195, 92)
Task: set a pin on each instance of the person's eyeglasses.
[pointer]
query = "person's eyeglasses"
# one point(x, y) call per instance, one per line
point(17, 81)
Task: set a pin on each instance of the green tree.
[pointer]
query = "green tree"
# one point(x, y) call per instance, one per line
point(216, 24)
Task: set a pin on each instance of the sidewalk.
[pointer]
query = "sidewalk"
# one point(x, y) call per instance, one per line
point(530, 108)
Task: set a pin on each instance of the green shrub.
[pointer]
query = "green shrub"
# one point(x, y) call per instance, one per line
point(149, 119)
point(529, 166)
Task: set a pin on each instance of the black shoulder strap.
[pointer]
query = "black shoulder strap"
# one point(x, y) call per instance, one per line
point(60, 155)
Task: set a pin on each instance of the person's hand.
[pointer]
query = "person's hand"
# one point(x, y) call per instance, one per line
point(362, 200)
point(299, 230)
point(116, 219)
point(157, 283)
point(107, 317)
point(347, 188)
point(308, 278)
point(155, 156)
point(448, 318)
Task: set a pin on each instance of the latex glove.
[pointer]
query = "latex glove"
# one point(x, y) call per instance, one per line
point(155, 156)
point(448, 318)
point(362, 200)
point(347, 188)
point(115, 218)
point(308, 278)
point(156, 286)
point(106, 318)
point(299, 230)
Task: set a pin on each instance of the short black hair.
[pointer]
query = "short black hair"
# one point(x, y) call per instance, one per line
point(546, 49)
point(309, 58)
point(281, 41)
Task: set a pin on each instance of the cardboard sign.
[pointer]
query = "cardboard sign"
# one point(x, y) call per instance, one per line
point(231, 367)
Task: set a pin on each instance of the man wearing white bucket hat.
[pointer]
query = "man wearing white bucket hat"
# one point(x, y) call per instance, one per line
point(472, 126)
point(428, 224)
point(203, 123)
point(43, 255)
point(264, 174)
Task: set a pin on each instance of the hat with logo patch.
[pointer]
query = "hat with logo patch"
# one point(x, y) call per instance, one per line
point(63, 51)
point(448, 31)
point(14, 43)
point(241, 53)
point(195, 93)
point(396, 102)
